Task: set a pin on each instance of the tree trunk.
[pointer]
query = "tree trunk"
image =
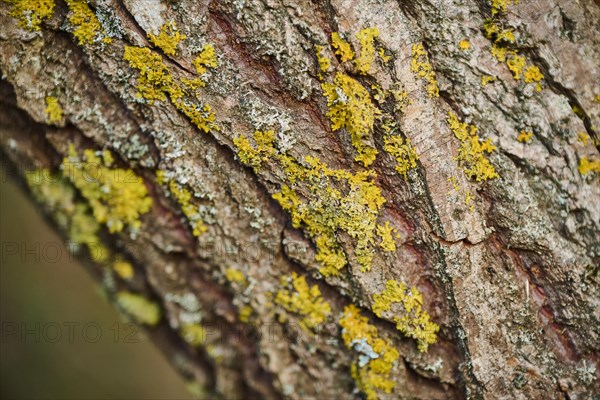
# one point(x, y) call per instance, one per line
point(310, 212)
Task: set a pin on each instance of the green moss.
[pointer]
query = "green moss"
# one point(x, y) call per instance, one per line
point(376, 356)
point(350, 107)
point(472, 150)
point(87, 27)
point(327, 210)
point(297, 297)
point(116, 196)
point(139, 308)
point(168, 38)
point(414, 322)
point(31, 13)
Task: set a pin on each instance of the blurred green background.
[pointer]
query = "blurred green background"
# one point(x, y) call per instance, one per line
point(60, 338)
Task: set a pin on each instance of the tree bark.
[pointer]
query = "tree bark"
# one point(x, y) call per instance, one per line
point(506, 263)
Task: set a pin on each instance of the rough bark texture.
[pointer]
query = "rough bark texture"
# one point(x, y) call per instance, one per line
point(510, 276)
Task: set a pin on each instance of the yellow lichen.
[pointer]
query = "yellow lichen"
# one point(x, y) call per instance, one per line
point(87, 27)
point(155, 78)
point(485, 79)
point(329, 210)
point(413, 322)
point(376, 356)
point(421, 66)
point(533, 74)
point(385, 58)
point(139, 308)
point(191, 212)
point(74, 217)
point(366, 38)
point(472, 150)
point(244, 313)
point(168, 38)
point(31, 13)
point(236, 276)
point(468, 199)
point(253, 157)
point(516, 64)
point(525, 136)
point(322, 210)
point(206, 59)
point(324, 62)
point(350, 107)
point(342, 48)
point(194, 334)
point(156, 82)
point(405, 154)
point(386, 234)
point(117, 197)
point(123, 268)
point(298, 297)
point(502, 5)
point(53, 110)
point(499, 52)
point(464, 44)
point(586, 166)
point(583, 138)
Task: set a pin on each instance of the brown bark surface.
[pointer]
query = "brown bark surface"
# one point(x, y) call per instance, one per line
point(510, 276)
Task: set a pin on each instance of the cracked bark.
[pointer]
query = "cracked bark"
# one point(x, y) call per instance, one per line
point(512, 283)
